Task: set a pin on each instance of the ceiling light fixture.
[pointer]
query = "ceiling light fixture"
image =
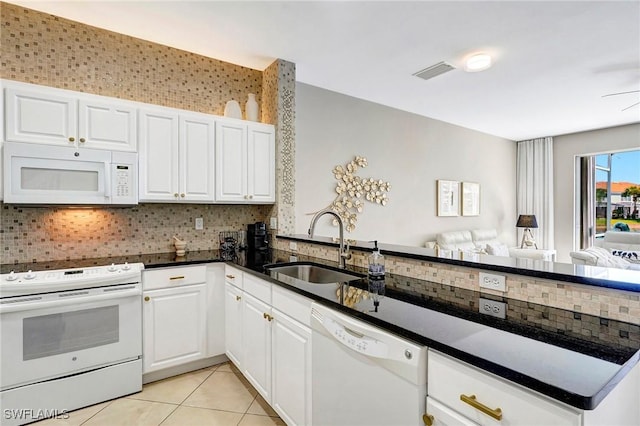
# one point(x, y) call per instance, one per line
point(477, 62)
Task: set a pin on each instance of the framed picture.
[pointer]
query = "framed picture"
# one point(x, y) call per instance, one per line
point(448, 198)
point(470, 199)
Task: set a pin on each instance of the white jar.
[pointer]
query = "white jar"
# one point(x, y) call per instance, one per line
point(251, 108)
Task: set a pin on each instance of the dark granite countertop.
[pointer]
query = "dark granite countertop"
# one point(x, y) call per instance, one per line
point(540, 347)
point(621, 279)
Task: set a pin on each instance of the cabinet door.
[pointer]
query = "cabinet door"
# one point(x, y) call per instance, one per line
point(106, 125)
point(40, 117)
point(197, 133)
point(174, 325)
point(441, 415)
point(231, 162)
point(256, 334)
point(158, 166)
point(261, 167)
point(233, 324)
point(291, 369)
point(215, 309)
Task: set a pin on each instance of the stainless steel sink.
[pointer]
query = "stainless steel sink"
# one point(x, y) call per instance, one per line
point(311, 273)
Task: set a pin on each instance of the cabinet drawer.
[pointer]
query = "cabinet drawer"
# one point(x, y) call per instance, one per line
point(296, 306)
point(450, 381)
point(441, 415)
point(233, 276)
point(258, 288)
point(173, 277)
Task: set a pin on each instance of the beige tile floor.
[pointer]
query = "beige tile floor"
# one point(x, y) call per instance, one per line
point(216, 396)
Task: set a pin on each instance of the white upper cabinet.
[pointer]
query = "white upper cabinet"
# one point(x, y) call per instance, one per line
point(245, 162)
point(176, 156)
point(38, 114)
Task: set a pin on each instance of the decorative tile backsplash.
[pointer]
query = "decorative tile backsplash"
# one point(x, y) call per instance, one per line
point(30, 234)
point(602, 302)
point(44, 49)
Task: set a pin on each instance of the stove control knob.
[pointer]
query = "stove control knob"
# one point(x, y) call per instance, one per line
point(12, 276)
point(126, 266)
point(112, 268)
point(29, 275)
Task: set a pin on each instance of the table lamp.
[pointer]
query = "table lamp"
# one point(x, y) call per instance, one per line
point(527, 221)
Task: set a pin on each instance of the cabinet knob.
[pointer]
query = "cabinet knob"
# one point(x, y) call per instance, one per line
point(175, 194)
point(251, 197)
point(182, 195)
point(427, 419)
point(238, 298)
point(72, 139)
point(267, 316)
point(82, 140)
point(146, 298)
point(246, 197)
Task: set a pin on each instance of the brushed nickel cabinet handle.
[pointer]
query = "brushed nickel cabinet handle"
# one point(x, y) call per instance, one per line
point(472, 401)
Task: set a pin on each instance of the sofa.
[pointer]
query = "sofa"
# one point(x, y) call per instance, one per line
point(616, 250)
point(482, 241)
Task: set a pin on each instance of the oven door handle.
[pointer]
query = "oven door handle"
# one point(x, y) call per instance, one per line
point(29, 304)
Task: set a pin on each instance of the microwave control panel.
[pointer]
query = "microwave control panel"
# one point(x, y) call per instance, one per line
point(124, 179)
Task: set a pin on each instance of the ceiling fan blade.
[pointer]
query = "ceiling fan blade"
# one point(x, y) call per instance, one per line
point(621, 93)
point(631, 106)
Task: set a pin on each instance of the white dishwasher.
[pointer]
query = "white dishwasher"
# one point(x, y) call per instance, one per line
point(363, 375)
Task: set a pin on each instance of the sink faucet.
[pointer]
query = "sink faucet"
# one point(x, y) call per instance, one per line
point(343, 254)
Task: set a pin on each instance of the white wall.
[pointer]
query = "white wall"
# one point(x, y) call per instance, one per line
point(565, 150)
point(409, 151)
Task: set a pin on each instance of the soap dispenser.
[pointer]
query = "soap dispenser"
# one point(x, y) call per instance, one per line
point(376, 263)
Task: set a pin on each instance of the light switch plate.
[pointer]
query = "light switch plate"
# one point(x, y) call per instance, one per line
point(493, 308)
point(273, 223)
point(493, 281)
point(293, 246)
point(199, 224)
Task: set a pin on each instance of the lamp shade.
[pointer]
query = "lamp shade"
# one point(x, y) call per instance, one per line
point(527, 221)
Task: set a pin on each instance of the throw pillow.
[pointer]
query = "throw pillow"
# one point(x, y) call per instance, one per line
point(630, 255)
point(497, 249)
point(605, 258)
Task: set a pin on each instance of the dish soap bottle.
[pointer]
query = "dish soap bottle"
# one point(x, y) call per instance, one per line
point(376, 263)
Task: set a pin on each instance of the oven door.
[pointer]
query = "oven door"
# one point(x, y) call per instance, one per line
point(57, 334)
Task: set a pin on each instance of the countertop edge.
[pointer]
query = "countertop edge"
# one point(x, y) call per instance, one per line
point(535, 273)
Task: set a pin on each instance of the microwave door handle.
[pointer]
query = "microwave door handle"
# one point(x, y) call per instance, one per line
point(107, 179)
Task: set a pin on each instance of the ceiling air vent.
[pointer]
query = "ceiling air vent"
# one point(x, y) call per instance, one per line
point(434, 70)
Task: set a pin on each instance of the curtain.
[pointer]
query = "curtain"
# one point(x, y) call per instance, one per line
point(587, 216)
point(535, 187)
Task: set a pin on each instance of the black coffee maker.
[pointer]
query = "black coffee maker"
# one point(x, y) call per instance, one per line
point(258, 252)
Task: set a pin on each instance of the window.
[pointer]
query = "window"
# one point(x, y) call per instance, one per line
point(612, 193)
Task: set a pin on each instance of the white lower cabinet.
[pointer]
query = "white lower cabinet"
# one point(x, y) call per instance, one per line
point(291, 369)
point(269, 347)
point(256, 334)
point(440, 415)
point(183, 310)
point(174, 326)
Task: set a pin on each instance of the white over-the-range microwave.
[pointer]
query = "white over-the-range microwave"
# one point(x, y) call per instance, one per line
point(46, 174)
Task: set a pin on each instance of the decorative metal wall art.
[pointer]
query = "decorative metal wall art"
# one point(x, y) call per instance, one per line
point(353, 190)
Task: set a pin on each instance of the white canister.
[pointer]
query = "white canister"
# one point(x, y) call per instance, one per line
point(251, 108)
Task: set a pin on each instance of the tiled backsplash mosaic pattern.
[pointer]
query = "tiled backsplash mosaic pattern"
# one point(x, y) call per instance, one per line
point(45, 49)
point(601, 302)
point(30, 234)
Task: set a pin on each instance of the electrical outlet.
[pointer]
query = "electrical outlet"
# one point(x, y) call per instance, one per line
point(199, 224)
point(293, 246)
point(273, 223)
point(493, 282)
point(493, 308)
